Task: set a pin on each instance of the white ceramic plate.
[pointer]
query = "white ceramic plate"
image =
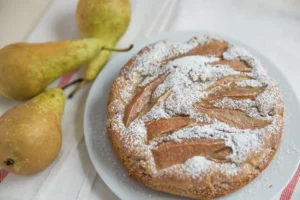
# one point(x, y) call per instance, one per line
point(266, 186)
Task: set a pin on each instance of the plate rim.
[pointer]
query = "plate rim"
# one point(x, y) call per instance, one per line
point(156, 36)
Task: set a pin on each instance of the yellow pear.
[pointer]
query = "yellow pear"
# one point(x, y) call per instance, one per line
point(31, 133)
point(106, 20)
point(26, 69)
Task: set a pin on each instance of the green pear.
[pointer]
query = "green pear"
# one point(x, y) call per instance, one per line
point(26, 69)
point(31, 133)
point(106, 20)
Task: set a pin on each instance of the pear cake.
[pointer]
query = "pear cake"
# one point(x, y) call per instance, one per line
point(199, 119)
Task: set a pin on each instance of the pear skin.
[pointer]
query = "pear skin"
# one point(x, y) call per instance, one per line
point(26, 69)
point(31, 133)
point(104, 19)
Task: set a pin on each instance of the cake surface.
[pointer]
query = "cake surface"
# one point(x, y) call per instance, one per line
point(198, 119)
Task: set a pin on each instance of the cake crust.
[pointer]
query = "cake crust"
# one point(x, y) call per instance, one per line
point(199, 119)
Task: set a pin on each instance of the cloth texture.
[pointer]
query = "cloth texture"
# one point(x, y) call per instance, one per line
point(270, 26)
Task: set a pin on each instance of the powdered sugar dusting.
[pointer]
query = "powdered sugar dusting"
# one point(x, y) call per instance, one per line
point(196, 166)
point(247, 105)
point(157, 112)
point(149, 61)
point(243, 144)
point(268, 99)
point(250, 83)
point(188, 80)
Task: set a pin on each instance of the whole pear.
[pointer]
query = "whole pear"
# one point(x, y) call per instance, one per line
point(31, 133)
point(106, 20)
point(26, 69)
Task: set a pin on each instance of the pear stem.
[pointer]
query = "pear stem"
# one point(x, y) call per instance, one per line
point(72, 83)
point(78, 87)
point(82, 82)
point(118, 50)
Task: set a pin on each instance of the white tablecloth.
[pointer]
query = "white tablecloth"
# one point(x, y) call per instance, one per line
point(271, 26)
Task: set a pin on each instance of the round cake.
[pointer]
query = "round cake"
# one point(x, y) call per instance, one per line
point(199, 119)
